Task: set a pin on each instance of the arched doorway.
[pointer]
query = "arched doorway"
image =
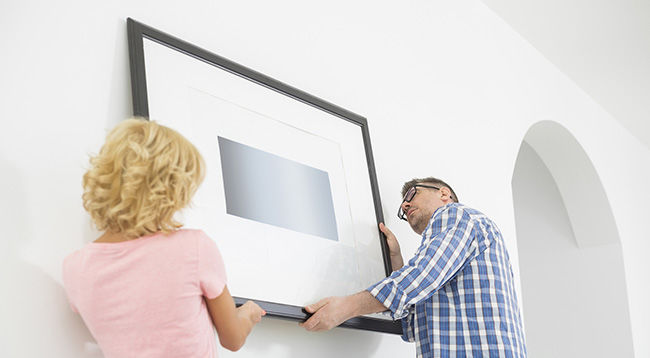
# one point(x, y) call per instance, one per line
point(573, 281)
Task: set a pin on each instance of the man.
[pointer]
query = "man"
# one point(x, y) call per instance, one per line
point(456, 296)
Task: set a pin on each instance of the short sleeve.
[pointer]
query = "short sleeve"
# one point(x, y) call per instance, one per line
point(69, 281)
point(211, 270)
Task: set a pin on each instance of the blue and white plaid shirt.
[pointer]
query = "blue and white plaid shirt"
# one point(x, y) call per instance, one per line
point(456, 296)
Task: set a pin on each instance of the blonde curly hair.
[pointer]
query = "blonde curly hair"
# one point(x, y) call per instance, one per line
point(144, 173)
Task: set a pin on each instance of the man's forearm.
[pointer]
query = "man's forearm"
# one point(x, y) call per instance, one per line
point(365, 303)
point(332, 311)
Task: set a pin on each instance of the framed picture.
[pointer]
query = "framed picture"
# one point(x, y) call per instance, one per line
point(290, 194)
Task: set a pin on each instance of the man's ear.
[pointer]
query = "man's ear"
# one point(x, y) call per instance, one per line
point(445, 194)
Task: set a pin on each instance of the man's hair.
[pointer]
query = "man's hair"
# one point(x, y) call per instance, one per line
point(429, 180)
point(143, 174)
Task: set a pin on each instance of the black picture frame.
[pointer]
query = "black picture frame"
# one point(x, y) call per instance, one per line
point(138, 31)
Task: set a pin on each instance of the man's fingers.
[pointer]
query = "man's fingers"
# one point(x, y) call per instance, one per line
point(311, 323)
point(385, 229)
point(316, 306)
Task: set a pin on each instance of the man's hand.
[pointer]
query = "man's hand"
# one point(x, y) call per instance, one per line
point(328, 313)
point(393, 247)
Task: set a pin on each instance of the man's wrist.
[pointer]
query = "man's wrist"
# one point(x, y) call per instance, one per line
point(397, 261)
point(364, 303)
point(352, 305)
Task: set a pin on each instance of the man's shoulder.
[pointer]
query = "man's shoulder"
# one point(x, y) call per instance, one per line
point(447, 216)
point(474, 218)
point(465, 211)
point(455, 214)
point(456, 211)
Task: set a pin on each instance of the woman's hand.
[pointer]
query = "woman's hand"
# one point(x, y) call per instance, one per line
point(251, 312)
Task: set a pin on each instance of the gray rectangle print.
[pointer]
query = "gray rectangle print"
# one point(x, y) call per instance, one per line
point(277, 191)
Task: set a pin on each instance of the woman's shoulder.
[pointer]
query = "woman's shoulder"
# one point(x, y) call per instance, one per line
point(189, 232)
point(72, 264)
point(72, 258)
point(197, 237)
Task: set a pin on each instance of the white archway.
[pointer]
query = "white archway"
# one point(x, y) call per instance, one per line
point(573, 280)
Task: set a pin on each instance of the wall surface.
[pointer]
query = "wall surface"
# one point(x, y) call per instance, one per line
point(448, 88)
point(603, 46)
point(566, 287)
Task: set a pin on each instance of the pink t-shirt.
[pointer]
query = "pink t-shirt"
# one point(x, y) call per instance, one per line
point(144, 297)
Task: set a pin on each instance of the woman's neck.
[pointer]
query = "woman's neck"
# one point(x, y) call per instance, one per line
point(112, 237)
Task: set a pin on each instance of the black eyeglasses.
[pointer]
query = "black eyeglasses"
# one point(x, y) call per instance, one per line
point(410, 194)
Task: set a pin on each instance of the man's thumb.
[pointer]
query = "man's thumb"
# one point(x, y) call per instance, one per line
point(316, 306)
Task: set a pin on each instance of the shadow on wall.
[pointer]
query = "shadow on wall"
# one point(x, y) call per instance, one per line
point(570, 257)
point(282, 338)
point(275, 337)
point(36, 318)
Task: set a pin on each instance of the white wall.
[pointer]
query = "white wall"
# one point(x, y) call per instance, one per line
point(604, 46)
point(574, 295)
point(448, 89)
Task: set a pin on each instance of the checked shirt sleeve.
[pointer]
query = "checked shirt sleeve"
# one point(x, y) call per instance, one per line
point(447, 244)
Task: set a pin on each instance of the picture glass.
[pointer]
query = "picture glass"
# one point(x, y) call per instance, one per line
point(289, 195)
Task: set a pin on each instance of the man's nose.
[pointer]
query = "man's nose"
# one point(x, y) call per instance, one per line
point(406, 205)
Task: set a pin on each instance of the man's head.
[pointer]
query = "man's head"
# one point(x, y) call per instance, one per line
point(421, 198)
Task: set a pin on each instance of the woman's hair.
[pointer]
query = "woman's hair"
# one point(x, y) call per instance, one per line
point(144, 173)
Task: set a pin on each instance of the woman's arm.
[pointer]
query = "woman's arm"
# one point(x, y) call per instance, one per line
point(233, 324)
